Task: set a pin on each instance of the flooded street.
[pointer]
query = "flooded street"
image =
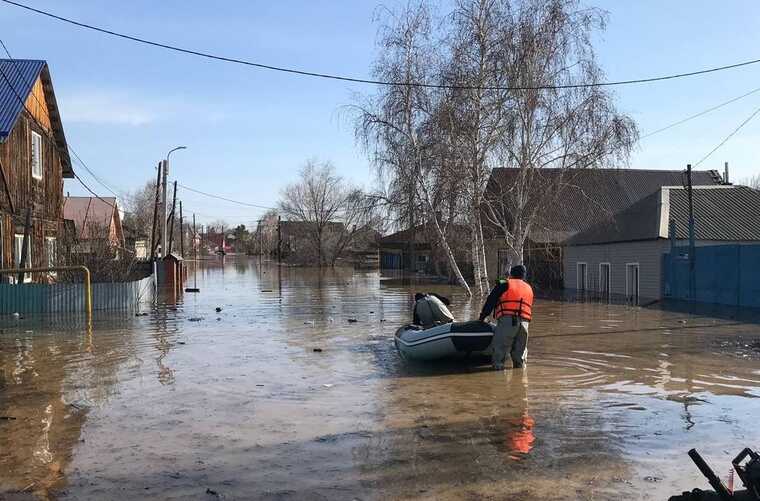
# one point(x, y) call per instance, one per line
point(188, 403)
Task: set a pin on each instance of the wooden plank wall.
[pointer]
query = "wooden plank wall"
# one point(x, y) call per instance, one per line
point(44, 196)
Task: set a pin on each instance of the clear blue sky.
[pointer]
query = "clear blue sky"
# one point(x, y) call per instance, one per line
point(248, 131)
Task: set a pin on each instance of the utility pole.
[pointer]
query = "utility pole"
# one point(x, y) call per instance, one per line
point(279, 240)
point(181, 232)
point(164, 211)
point(164, 204)
point(692, 244)
point(171, 221)
point(153, 239)
point(261, 246)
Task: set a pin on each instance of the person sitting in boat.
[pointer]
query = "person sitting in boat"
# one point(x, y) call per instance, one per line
point(430, 310)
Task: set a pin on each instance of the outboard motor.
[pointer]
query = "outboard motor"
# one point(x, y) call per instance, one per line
point(746, 465)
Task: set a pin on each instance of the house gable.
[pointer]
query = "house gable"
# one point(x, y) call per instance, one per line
point(30, 81)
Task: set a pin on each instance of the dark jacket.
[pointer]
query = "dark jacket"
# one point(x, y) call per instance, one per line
point(493, 298)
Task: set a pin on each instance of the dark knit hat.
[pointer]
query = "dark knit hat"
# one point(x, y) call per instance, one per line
point(518, 271)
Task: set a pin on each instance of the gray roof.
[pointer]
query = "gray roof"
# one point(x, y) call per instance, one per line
point(17, 79)
point(721, 213)
point(587, 197)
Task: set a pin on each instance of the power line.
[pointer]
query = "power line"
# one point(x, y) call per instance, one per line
point(225, 198)
point(701, 113)
point(44, 108)
point(283, 69)
point(745, 122)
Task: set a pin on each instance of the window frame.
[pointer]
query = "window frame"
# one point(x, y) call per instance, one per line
point(578, 265)
point(27, 276)
point(609, 279)
point(628, 291)
point(37, 136)
point(52, 264)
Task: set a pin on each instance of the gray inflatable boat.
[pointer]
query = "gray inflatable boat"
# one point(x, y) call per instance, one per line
point(458, 339)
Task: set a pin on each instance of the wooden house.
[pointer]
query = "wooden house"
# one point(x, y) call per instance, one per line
point(34, 160)
point(95, 220)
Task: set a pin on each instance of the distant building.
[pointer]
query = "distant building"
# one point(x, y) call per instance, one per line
point(34, 160)
point(397, 253)
point(585, 197)
point(96, 222)
point(136, 242)
point(623, 256)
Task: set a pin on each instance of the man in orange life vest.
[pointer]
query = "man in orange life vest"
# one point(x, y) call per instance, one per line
point(510, 303)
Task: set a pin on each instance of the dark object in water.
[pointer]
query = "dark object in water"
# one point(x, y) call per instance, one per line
point(746, 465)
point(143, 314)
point(196, 319)
point(218, 309)
point(317, 350)
point(192, 289)
point(352, 320)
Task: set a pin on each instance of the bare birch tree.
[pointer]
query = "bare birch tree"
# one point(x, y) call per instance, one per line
point(476, 109)
point(394, 124)
point(558, 119)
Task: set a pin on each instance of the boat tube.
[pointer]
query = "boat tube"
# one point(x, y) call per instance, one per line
point(457, 339)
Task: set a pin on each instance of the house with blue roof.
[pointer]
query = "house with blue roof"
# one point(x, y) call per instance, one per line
point(34, 160)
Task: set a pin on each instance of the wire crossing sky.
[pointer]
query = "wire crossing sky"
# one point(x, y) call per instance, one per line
point(124, 105)
point(329, 76)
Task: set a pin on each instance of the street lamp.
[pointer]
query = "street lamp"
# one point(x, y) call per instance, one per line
point(164, 204)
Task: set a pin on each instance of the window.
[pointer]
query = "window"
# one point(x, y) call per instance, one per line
point(17, 250)
point(502, 263)
point(51, 254)
point(632, 282)
point(36, 156)
point(581, 277)
point(605, 282)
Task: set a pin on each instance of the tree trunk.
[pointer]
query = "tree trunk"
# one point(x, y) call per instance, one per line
point(482, 255)
point(475, 252)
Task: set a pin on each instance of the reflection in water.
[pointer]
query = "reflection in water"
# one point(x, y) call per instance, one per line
point(279, 395)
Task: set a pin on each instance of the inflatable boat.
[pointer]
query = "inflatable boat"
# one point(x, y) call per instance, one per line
point(452, 340)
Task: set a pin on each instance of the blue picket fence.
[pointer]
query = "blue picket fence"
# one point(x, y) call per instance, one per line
point(724, 274)
point(67, 298)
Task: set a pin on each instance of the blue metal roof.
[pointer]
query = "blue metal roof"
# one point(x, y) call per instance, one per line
point(17, 78)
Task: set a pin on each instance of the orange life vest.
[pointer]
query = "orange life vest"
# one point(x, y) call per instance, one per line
point(517, 301)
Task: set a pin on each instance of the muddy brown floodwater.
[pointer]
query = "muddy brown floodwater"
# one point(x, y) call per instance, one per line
point(188, 403)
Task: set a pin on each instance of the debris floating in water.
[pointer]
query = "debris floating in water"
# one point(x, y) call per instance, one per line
point(317, 350)
point(218, 309)
point(352, 320)
point(196, 319)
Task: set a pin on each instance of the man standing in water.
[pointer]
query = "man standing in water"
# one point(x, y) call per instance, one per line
point(511, 303)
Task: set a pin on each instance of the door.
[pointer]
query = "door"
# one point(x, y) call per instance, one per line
point(581, 283)
point(605, 286)
point(632, 282)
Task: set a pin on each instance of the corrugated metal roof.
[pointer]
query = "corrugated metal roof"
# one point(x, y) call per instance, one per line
point(721, 213)
point(17, 78)
point(587, 197)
